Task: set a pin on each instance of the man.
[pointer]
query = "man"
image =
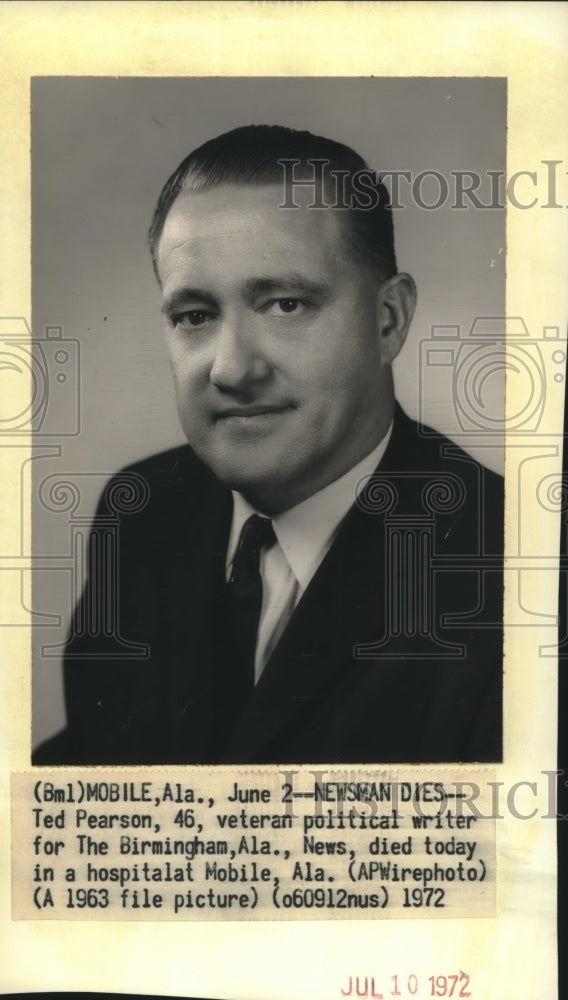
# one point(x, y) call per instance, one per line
point(312, 579)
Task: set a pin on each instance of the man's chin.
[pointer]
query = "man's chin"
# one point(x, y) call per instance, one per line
point(241, 480)
point(261, 488)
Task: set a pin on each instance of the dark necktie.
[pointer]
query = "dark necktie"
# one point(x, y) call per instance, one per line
point(245, 600)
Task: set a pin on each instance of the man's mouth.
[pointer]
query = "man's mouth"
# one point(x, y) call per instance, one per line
point(256, 413)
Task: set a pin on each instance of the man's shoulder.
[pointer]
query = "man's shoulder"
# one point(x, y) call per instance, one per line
point(175, 478)
point(417, 447)
point(432, 479)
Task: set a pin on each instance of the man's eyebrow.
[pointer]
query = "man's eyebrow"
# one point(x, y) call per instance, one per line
point(182, 296)
point(293, 282)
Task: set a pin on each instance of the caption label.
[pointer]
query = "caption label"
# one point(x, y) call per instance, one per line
point(228, 844)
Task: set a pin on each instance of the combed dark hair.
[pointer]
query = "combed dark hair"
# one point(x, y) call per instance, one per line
point(253, 154)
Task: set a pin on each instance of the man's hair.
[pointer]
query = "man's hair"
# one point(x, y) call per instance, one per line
point(254, 155)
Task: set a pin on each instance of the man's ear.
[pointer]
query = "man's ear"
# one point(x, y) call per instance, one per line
point(396, 302)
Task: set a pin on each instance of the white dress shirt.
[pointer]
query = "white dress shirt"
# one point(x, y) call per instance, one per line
point(304, 535)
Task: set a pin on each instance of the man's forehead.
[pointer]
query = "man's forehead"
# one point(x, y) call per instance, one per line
point(234, 207)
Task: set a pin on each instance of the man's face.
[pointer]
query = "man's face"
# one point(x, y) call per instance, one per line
point(276, 340)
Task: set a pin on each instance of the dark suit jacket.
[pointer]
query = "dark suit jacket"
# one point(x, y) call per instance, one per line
point(393, 654)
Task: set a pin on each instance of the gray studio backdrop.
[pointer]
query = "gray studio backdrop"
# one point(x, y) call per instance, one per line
point(101, 150)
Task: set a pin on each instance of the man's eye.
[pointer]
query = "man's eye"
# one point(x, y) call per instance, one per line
point(191, 318)
point(279, 306)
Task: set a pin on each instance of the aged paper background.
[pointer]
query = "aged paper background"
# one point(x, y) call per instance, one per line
point(512, 955)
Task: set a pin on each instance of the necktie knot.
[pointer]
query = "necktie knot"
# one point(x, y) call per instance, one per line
point(257, 534)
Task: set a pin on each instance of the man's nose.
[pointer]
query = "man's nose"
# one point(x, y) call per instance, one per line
point(239, 360)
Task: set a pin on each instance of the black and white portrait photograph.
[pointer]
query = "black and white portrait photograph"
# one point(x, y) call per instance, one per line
point(267, 485)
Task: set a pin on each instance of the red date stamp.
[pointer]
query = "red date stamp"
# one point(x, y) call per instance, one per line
point(455, 985)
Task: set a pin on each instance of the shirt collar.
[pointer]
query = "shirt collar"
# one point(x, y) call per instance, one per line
point(306, 531)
